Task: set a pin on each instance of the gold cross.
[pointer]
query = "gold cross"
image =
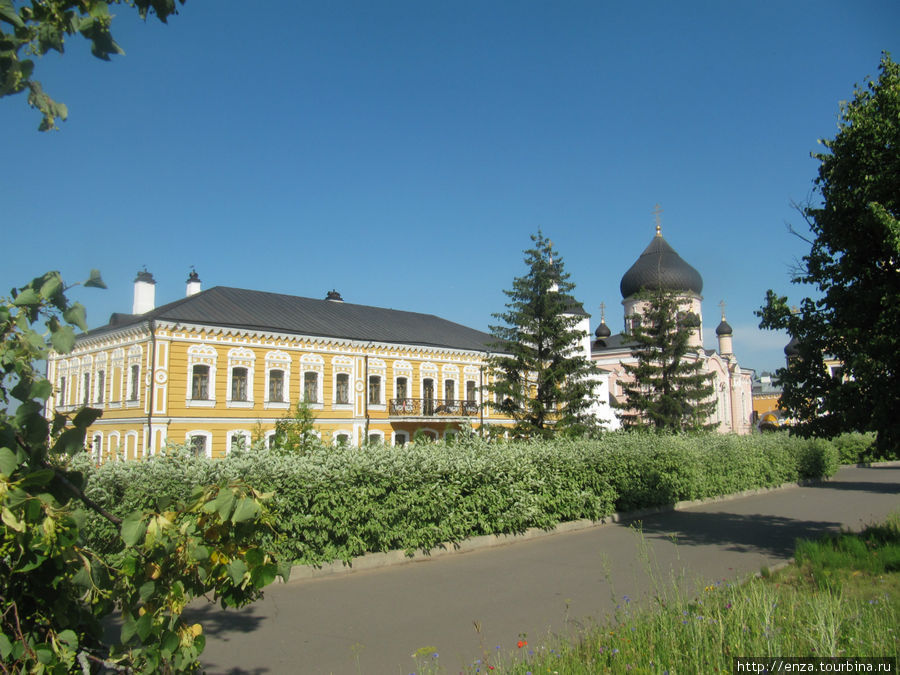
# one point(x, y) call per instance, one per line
point(722, 305)
point(657, 210)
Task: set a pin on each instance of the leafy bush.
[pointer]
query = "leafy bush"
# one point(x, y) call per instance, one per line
point(855, 448)
point(334, 503)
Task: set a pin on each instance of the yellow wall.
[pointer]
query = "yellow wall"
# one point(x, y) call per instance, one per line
point(165, 404)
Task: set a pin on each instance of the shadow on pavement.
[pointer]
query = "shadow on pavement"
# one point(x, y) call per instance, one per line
point(222, 625)
point(745, 533)
point(858, 486)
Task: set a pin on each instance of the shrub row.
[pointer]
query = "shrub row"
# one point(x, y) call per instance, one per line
point(337, 503)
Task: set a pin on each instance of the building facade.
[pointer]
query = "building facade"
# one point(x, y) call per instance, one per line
point(217, 369)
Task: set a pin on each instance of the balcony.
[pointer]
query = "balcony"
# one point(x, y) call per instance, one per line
point(432, 407)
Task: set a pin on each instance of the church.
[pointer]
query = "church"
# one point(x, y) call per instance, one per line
point(217, 368)
point(660, 267)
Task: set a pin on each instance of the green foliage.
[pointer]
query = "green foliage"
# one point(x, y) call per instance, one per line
point(670, 391)
point(41, 25)
point(336, 503)
point(855, 448)
point(296, 432)
point(55, 591)
point(853, 266)
point(540, 378)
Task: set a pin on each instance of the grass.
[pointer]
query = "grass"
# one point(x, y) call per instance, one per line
point(840, 598)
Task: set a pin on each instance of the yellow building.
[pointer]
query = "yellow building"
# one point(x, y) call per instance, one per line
point(224, 364)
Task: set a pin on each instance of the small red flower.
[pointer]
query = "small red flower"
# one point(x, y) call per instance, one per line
point(522, 643)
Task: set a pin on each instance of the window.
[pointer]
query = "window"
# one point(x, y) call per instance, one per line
point(449, 390)
point(310, 387)
point(374, 389)
point(135, 379)
point(402, 388)
point(342, 388)
point(238, 384)
point(238, 440)
point(276, 385)
point(62, 391)
point(198, 444)
point(101, 381)
point(86, 394)
point(401, 438)
point(376, 439)
point(470, 391)
point(200, 383)
point(342, 439)
point(97, 447)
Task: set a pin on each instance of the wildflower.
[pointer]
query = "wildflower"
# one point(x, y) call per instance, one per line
point(522, 643)
point(615, 651)
point(728, 606)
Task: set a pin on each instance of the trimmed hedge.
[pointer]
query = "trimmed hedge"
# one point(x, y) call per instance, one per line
point(337, 503)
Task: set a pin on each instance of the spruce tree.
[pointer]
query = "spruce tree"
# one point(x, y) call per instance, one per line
point(539, 376)
point(669, 390)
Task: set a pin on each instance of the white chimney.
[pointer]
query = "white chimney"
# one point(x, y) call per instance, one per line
point(144, 293)
point(193, 284)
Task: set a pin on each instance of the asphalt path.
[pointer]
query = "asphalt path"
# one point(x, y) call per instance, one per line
point(468, 605)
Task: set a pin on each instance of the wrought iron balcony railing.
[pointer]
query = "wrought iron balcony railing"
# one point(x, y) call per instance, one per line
point(432, 407)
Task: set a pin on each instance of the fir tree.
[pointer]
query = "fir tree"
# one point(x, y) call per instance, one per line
point(669, 390)
point(540, 378)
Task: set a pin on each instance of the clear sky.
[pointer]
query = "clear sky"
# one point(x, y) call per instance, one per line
point(403, 152)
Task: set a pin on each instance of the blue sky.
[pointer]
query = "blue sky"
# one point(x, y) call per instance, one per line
point(403, 152)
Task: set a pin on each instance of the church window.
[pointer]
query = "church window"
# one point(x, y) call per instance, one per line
point(239, 384)
point(470, 391)
point(342, 388)
point(374, 389)
point(86, 385)
point(135, 382)
point(101, 382)
point(200, 383)
point(198, 445)
point(276, 385)
point(449, 390)
point(310, 387)
point(402, 388)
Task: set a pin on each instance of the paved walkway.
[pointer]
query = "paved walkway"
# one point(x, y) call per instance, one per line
point(370, 622)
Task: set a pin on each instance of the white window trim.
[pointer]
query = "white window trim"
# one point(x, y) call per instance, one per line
point(334, 389)
point(200, 432)
point(97, 446)
point(229, 438)
point(201, 355)
point(276, 362)
point(376, 406)
point(240, 357)
point(406, 435)
point(317, 404)
point(375, 432)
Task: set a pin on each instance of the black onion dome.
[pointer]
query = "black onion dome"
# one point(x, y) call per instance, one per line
point(602, 331)
point(660, 268)
point(723, 328)
point(792, 348)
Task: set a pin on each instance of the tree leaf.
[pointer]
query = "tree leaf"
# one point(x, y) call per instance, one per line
point(8, 13)
point(63, 339)
point(86, 417)
point(95, 280)
point(8, 461)
point(246, 509)
point(133, 528)
point(27, 297)
point(76, 315)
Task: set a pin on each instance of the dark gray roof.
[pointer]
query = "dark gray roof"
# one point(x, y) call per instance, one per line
point(660, 268)
point(257, 310)
point(615, 342)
